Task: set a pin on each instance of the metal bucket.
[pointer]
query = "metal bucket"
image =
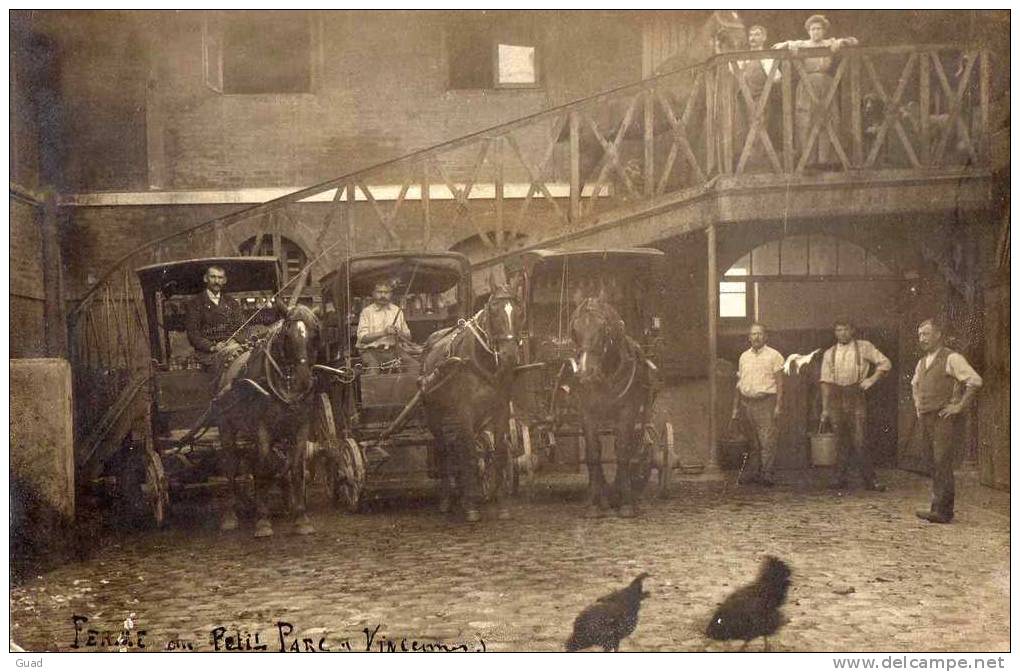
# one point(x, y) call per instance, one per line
point(823, 448)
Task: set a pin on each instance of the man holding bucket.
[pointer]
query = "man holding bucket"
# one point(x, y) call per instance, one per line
point(845, 380)
point(760, 397)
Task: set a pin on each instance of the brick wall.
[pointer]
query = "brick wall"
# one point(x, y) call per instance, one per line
point(139, 110)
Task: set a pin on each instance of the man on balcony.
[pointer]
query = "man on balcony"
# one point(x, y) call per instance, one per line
point(756, 74)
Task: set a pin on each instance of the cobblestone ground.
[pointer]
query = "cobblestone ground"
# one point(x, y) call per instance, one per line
point(867, 574)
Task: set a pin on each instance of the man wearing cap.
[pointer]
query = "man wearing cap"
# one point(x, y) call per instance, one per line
point(845, 380)
point(817, 80)
point(758, 400)
point(380, 324)
point(944, 384)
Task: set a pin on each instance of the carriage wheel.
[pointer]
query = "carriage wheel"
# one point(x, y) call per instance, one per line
point(142, 487)
point(329, 454)
point(524, 463)
point(347, 478)
point(485, 451)
point(644, 461)
point(667, 459)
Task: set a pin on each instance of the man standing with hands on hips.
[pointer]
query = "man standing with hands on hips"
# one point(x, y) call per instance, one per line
point(845, 380)
point(760, 396)
point(936, 387)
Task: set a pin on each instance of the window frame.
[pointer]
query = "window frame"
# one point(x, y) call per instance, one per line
point(213, 47)
point(496, 84)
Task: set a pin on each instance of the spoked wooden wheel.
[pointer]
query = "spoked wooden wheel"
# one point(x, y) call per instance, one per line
point(524, 460)
point(347, 478)
point(644, 460)
point(667, 459)
point(485, 452)
point(143, 488)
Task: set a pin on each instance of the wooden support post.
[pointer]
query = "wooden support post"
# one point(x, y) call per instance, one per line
point(426, 205)
point(351, 202)
point(712, 468)
point(500, 219)
point(711, 112)
point(789, 160)
point(575, 166)
point(726, 91)
point(984, 147)
point(649, 176)
point(925, 102)
point(53, 296)
point(856, 131)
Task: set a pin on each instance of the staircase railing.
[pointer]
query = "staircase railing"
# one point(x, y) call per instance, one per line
point(920, 108)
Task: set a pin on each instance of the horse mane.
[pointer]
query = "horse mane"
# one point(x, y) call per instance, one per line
point(304, 314)
point(603, 309)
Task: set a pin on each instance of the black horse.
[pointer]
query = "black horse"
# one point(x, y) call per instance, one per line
point(266, 401)
point(614, 385)
point(467, 373)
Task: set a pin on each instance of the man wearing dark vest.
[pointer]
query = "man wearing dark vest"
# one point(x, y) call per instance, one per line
point(211, 320)
point(938, 399)
point(845, 380)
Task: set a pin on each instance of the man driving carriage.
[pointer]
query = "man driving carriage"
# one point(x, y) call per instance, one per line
point(212, 319)
point(381, 327)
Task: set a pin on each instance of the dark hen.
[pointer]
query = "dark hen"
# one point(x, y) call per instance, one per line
point(612, 618)
point(753, 610)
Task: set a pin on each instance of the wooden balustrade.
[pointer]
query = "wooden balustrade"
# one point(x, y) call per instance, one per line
point(922, 108)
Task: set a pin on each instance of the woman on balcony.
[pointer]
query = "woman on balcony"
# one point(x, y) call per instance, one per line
point(818, 78)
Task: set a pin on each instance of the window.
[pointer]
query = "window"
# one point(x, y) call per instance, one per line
point(252, 52)
point(732, 292)
point(493, 50)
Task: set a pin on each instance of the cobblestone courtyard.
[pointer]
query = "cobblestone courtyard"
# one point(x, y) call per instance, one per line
point(867, 574)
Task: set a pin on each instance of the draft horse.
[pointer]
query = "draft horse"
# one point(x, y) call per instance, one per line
point(613, 385)
point(264, 397)
point(467, 375)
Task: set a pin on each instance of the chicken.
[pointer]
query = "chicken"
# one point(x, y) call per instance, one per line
point(753, 610)
point(612, 618)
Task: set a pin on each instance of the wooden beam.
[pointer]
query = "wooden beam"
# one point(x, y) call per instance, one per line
point(713, 352)
point(500, 218)
point(649, 177)
point(924, 114)
point(53, 306)
point(575, 166)
point(789, 160)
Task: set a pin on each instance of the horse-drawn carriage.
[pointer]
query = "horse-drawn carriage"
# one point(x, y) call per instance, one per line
point(559, 287)
point(372, 416)
point(142, 465)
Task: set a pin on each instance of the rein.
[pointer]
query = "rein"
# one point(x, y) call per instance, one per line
point(270, 365)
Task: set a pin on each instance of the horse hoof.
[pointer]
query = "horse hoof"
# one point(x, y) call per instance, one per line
point(228, 522)
point(472, 516)
point(628, 511)
point(304, 526)
point(504, 514)
point(263, 528)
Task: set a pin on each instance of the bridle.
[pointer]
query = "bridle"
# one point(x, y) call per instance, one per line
point(272, 369)
point(614, 337)
point(483, 335)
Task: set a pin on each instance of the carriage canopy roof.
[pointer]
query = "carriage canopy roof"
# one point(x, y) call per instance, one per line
point(418, 272)
point(244, 274)
point(635, 261)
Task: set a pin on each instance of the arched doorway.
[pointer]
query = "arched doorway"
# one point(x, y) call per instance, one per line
point(797, 286)
point(292, 256)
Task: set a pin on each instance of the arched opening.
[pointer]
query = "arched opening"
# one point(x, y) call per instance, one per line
point(795, 259)
point(292, 256)
point(797, 286)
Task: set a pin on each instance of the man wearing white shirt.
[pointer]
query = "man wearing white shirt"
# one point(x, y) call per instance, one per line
point(380, 324)
point(944, 384)
point(844, 378)
point(760, 398)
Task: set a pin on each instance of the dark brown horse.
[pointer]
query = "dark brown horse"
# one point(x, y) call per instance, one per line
point(267, 402)
point(613, 385)
point(467, 373)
